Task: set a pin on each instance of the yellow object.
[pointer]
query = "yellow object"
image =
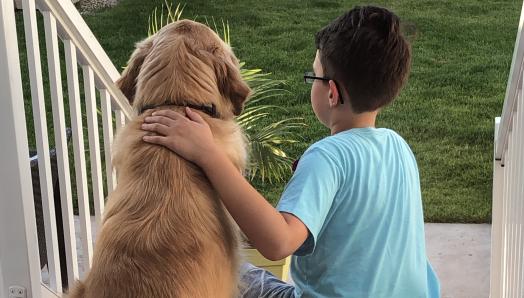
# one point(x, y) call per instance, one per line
point(279, 268)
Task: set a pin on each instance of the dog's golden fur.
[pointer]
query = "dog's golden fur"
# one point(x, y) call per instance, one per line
point(165, 231)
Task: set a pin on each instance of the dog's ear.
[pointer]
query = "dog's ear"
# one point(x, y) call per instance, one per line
point(127, 82)
point(231, 84)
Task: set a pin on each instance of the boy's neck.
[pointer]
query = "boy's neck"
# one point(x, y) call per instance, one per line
point(342, 121)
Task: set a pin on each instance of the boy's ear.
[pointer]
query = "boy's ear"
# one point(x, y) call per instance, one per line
point(334, 95)
point(127, 82)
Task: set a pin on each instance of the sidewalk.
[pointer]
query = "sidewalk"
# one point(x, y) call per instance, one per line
point(460, 254)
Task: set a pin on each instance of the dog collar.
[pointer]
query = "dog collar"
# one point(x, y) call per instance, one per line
point(210, 110)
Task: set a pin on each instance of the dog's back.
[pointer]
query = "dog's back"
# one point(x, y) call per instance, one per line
point(165, 232)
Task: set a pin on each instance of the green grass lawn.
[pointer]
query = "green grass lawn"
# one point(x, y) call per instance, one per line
point(461, 58)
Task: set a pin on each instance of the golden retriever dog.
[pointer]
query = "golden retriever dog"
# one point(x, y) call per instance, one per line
point(165, 231)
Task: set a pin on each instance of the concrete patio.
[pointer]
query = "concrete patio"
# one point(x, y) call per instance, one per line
point(459, 253)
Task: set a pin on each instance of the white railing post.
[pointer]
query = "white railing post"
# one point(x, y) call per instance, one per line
point(19, 259)
point(496, 222)
point(42, 143)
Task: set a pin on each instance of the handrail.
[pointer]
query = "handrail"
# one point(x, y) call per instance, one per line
point(514, 83)
point(72, 26)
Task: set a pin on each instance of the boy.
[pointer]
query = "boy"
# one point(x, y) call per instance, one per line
point(351, 215)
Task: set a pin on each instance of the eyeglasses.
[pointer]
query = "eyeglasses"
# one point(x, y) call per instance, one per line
point(309, 78)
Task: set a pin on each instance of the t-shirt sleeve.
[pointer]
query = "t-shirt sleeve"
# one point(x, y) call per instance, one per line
point(310, 193)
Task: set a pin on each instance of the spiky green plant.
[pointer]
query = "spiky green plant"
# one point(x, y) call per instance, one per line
point(268, 159)
point(156, 21)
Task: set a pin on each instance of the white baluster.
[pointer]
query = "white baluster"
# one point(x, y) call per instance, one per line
point(511, 238)
point(55, 82)
point(94, 143)
point(506, 225)
point(120, 120)
point(519, 131)
point(107, 120)
point(80, 165)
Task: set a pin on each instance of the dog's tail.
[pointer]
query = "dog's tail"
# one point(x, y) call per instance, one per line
point(77, 291)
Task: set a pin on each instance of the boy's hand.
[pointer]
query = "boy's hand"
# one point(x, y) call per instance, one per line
point(276, 235)
point(190, 136)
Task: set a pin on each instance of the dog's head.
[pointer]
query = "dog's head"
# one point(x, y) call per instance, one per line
point(184, 62)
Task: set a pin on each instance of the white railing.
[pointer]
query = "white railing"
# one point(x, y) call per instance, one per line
point(507, 245)
point(19, 252)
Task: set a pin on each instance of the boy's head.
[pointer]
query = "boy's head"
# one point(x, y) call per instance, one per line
point(366, 54)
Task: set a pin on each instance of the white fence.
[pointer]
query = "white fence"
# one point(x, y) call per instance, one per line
point(507, 248)
point(19, 251)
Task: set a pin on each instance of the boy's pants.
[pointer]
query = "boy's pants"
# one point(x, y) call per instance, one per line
point(256, 282)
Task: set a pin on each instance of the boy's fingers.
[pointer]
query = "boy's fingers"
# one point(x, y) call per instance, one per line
point(159, 119)
point(194, 116)
point(159, 140)
point(156, 127)
point(169, 114)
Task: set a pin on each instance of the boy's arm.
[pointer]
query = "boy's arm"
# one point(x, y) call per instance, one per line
point(274, 234)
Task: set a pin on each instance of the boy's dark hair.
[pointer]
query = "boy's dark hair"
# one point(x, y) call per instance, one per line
point(364, 51)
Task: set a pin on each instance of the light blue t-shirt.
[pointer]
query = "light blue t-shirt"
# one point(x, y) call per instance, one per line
point(358, 193)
